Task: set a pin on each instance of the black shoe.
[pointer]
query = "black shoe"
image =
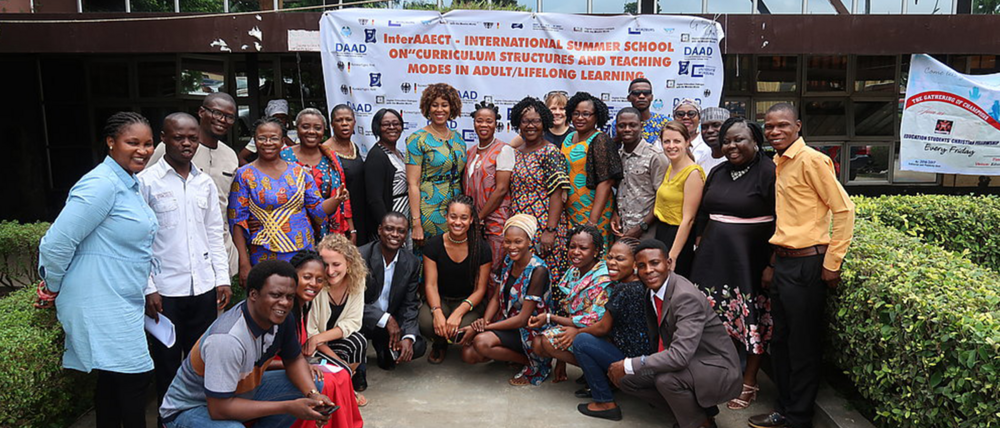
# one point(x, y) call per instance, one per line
point(384, 359)
point(583, 393)
point(582, 380)
point(360, 378)
point(772, 420)
point(610, 414)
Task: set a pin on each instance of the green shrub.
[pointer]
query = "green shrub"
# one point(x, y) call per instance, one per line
point(956, 223)
point(19, 252)
point(35, 391)
point(917, 329)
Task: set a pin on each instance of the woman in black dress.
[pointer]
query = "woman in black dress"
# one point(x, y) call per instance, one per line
point(385, 171)
point(342, 124)
point(737, 211)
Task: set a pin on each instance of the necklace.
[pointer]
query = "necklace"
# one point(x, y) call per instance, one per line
point(488, 145)
point(453, 241)
point(434, 133)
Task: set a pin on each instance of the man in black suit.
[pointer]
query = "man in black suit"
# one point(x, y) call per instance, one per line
point(693, 365)
point(391, 303)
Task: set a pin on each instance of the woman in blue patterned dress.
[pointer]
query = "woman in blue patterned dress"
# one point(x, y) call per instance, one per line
point(274, 206)
point(523, 291)
point(435, 158)
point(95, 261)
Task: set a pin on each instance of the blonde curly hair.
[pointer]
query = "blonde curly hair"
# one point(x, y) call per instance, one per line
point(357, 269)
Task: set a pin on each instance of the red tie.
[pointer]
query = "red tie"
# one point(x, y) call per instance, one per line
point(658, 303)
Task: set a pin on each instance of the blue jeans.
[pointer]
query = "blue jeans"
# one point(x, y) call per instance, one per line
point(274, 386)
point(595, 355)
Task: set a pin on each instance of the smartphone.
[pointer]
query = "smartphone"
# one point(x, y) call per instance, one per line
point(459, 336)
point(394, 354)
point(327, 410)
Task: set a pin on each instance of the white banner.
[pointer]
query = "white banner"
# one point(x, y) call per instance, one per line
point(951, 121)
point(375, 59)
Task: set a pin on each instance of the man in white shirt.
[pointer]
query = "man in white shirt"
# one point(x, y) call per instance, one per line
point(391, 302)
point(192, 281)
point(693, 365)
point(216, 117)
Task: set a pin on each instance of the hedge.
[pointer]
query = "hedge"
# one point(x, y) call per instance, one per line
point(956, 223)
point(34, 389)
point(917, 329)
point(19, 252)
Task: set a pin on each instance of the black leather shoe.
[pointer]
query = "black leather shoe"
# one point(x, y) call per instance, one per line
point(772, 420)
point(582, 393)
point(360, 378)
point(582, 380)
point(384, 359)
point(610, 414)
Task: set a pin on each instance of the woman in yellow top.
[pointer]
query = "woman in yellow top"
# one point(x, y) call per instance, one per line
point(678, 197)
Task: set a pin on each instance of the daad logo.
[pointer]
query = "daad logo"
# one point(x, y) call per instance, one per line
point(360, 107)
point(685, 37)
point(469, 95)
point(370, 35)
point(517, 25)
point(405, 87)
point(350, 48)
point(345, 31)
point(375, 80)
point(683, 67)
point(698, 51)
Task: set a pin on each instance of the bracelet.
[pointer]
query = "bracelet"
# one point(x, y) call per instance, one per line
point(311, 392)
point(548, 318)
point(549, 229)
point(352, 231)
point(435, 308)
point(471, 306)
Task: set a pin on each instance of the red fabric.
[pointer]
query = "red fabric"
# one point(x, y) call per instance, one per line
point(338, 387)
point(659, 304)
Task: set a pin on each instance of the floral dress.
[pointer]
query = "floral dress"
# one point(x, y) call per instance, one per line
point(536, 175)
point(586, 297)
point(510, 306)
point(277, 216)
point(591, 162)
point(328, 175)
point(441, 164)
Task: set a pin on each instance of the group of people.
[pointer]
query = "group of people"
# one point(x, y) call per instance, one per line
point(663, 258)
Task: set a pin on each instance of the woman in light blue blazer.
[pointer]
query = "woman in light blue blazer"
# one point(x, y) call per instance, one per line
point(95, 261)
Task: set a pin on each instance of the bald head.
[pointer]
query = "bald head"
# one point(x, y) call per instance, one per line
point(178, 119)
point(180, 137)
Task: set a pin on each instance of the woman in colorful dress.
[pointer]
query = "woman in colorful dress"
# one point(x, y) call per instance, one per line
point(737, 211)
point(324, 166)
point(95, 262)
point(585, 286)
point(594, 164)
point(342, 124)
point(435, 159)
point(274, 207)
point(539, 183)
point(487, 181)
point(624, 327)
point(385, 171)
point(523, 292)
point(678, 197)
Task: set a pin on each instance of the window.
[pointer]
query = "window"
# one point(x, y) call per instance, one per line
point(829, 7)
point(869, 164)
point(910, 177)
point(825, 117)
point(109, 79)
point(678, 6)
point(761, 106)
point(833, 150)
point(875, 74)
point(777, 74)
point(738, 74)
point(730, 6)
point(826, 73)
point(738, 107)
point(874, 118)
point(157, 79)
point(201, 77)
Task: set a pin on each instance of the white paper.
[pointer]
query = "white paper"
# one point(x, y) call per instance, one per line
point(329, 368)
point(162, 331)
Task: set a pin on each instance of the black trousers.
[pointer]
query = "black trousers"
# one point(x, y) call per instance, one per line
point(666, 233)
point(798, 302)
point(380, 341)
point(120, 401)
point(191, 317)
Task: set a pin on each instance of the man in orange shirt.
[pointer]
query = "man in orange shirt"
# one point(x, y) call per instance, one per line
point(806, 260)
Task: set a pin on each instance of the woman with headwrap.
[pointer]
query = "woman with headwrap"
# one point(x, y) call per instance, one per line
point(503, 333)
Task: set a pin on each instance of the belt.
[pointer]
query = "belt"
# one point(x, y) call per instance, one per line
point(814, 250)
point(722, 218)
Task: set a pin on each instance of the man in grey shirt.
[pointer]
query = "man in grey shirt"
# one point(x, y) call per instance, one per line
point(644, 166)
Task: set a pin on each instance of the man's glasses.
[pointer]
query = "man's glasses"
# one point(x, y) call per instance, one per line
point(218, 115)
point(640, 92)
point(689, 113)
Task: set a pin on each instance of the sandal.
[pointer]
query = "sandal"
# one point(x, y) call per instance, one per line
point(519, 380)
point(746, 397)
point(362, 401)
point(436, 356)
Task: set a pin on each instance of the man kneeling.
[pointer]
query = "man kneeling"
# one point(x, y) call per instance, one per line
point(695, 366)
point(222, 381)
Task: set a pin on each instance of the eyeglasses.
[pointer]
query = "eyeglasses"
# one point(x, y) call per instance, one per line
point(393, 124)
point(640, 92)
point(526, 122)
point(218, 115)
point(264, 140)
point(689, 113)
point(583, 114)
point(551, 93)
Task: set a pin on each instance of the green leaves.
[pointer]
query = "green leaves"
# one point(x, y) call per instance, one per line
point(19, 252)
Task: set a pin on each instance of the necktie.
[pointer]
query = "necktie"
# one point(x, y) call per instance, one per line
point(658, 304)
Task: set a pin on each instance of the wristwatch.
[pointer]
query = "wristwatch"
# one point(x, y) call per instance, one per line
point(643, 225)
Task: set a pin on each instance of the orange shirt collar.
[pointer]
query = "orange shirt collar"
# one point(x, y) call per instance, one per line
point(794, 149)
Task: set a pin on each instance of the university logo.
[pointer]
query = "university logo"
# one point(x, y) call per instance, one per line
point(683, 67)
point(375, 80)
point(405, 87)
point(634, 31)
point(394, 24)
point(370, 35)
point(517, 25)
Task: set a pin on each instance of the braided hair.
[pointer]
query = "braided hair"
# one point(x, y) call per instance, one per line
point(118, 121)
point(486, 106)
point(474, 235)
point(268, 120)
point(630, 242)
point(595, 236)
